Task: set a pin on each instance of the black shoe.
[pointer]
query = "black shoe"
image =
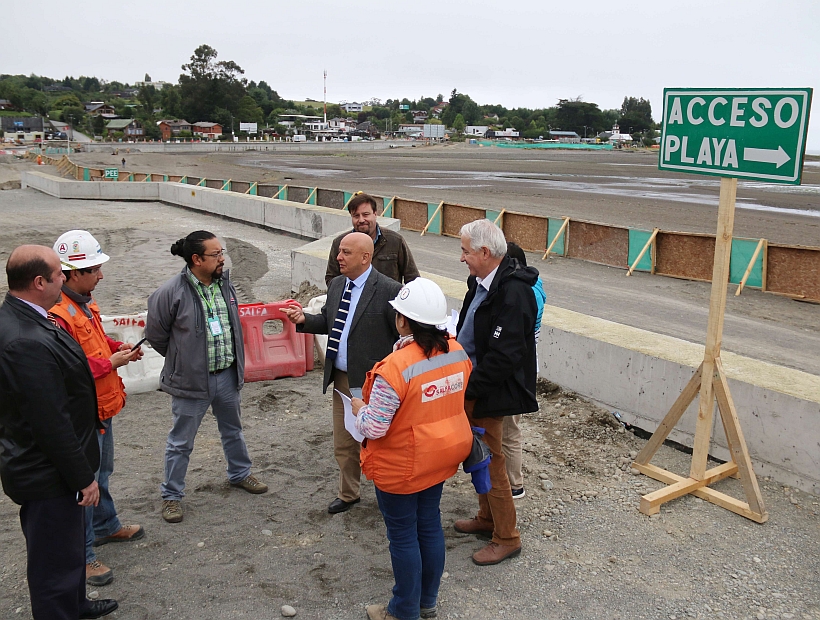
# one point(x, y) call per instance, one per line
point(98, 609)
point(339, 505)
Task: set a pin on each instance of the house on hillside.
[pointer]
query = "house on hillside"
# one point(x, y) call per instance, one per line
point(97, 108)
point(157, 85)
point(130, 127)
point(436, 111)
point(478, 131)
point(5, 104)
point(172, 128)
point(207, 131)
point(351, 107)
point(419, 116)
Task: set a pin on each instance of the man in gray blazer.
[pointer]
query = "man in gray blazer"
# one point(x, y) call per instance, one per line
point(361, 329)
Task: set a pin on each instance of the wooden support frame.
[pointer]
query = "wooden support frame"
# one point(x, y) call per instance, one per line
point(202, 182)
point(709, 384)
point(643, 251)
point(555, 239)
point(430, 221)
point(226, 184)
point(388, 208)
point(347, 202)
point(251, 187)
point(760, 245)
point(498, 217)
point(281, 189)
point(311, 195)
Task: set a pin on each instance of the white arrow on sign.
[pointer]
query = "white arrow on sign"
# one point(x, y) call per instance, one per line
point(767, 156)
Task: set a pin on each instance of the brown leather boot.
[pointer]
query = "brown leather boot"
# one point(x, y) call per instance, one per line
point(494, 554)
point(472, 526)
point(379, 612)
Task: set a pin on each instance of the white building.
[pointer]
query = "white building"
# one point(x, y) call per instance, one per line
point(352, 107)
point(157, 85)
point(476, 130)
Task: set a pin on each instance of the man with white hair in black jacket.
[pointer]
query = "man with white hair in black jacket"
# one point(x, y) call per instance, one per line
point(496, 329)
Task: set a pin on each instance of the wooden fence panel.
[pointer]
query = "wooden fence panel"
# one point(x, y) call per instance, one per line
point(685, 255)
point(528, 231)
point(455, 216)
point(412, 213)
point(598, 243)
point(794, 271)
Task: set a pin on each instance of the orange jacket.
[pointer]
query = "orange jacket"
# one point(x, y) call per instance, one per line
point(91, 337)
point(429, 435)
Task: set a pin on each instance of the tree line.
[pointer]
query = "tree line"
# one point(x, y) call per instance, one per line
point(215, 90)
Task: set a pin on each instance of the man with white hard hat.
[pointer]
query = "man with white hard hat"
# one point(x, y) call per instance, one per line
point(77, 312)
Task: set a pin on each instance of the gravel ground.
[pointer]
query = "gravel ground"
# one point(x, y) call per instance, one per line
point(588, 552)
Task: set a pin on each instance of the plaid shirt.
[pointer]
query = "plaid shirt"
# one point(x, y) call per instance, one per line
point(220, 348)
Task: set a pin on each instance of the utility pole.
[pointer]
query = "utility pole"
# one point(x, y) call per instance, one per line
point(325, 95)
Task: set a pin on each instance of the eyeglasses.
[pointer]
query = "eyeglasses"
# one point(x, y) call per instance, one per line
point(217, 254)
point(91, 270)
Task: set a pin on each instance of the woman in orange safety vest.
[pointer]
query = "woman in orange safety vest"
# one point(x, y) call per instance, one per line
point(416, 435)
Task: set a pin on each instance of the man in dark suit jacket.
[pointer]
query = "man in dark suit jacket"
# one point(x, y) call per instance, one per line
point(365, 336)
point(48, 444)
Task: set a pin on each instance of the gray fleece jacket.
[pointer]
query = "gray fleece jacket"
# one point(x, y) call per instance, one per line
point(176, 329)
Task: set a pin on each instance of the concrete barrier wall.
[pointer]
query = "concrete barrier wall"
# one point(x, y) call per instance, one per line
point(307, 221)
point(640, 374)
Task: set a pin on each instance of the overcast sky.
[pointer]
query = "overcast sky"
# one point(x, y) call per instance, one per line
point(529, 53)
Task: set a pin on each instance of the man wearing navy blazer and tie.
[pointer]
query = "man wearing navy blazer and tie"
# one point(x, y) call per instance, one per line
point(361, 329)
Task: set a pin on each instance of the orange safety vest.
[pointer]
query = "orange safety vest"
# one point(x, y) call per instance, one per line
point(91, 337)
point(429, 435)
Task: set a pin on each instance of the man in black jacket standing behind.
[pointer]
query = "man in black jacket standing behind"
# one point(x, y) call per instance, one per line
point(48, 446)
point(496, 327)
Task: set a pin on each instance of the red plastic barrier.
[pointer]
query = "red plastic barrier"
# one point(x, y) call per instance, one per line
point(270, 356)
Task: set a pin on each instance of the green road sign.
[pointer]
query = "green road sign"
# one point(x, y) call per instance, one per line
point(112, 173)
point(756, 134)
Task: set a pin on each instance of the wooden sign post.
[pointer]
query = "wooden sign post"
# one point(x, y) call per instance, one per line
point(728, 133)
point(710, 382)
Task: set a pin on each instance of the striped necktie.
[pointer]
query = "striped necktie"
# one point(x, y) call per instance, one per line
point(339, 323)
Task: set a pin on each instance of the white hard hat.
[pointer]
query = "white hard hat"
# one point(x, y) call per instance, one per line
point(78, 249)
point(422, 301)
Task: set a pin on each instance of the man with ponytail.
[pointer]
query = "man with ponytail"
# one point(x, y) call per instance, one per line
point(193, 321)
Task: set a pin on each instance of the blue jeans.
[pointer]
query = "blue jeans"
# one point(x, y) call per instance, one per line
point(188, 414)
point(416, 549)
point(102, 520)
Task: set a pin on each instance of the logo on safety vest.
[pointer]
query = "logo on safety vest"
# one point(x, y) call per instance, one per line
point(442, 387)
point(497, 331)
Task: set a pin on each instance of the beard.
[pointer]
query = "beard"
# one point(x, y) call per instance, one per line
point(217, 273)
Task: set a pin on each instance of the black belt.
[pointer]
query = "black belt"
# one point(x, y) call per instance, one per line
point(216, 372)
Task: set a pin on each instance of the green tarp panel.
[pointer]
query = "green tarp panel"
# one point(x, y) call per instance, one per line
point(552, 230)
point(492, 215)
point(252, 190)
point(742, 250)
point(311, 200)
point(638, 239)
point(86, 174)
point(435, 226)
point(348, 196)
point(283, 194)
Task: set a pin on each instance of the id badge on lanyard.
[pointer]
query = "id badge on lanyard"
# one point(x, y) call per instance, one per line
point(215, 326)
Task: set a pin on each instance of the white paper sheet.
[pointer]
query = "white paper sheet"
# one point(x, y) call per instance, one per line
point(350, 419)
point(452, 323)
